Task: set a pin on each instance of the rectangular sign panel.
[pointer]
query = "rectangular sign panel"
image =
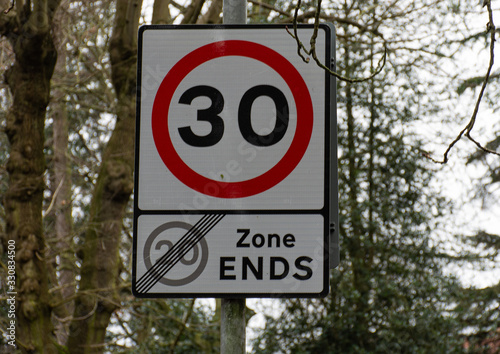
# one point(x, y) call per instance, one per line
point(249, 254)
point(235, 184)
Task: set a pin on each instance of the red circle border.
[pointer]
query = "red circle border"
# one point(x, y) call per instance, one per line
point(268, 179)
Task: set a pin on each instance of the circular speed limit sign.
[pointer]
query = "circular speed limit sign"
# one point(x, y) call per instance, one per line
point(198, 117)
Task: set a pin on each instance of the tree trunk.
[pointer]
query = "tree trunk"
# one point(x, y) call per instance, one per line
point(99, 285)
point(213, 14)
point(29, 31)
point(161, 13)
point(63, 250)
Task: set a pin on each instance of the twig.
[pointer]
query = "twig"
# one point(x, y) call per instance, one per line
point(51, 205)
point(12, 4)
point(93, 292)
point(122, 325)
point(269, 7)
point(312, 51)
point(470, 125)
point(91, 313)
point(185, 320)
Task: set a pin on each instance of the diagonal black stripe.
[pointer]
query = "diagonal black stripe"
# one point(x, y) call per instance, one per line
point(183, 246)
point(186, 248)
point(152, 274)
point(179, 250)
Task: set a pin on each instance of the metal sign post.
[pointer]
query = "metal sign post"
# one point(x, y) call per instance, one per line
point(234, 12)
point(233, 326)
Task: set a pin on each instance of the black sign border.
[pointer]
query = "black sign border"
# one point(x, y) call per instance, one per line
point(330, 207)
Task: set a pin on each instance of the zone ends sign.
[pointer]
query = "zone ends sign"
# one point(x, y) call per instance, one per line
point(236, 163)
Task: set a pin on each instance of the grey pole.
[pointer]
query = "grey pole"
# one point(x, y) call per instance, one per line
point(233, 327)
point(234, 11)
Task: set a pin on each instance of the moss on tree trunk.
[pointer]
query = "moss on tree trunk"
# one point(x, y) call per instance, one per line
point(28, 30)
point(98, 295)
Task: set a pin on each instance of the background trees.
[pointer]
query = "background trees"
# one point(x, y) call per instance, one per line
point(483, 311)
point(66, 178)
point(389, 293)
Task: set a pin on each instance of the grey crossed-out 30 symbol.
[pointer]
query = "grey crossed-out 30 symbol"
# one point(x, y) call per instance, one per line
point(176, 252)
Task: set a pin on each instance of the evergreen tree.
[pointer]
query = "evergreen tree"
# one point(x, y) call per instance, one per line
point(390, 292)
point(481, 308)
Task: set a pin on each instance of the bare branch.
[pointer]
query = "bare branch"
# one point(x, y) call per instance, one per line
point(185, 320)
point(7, 18)
point(12, 4)
point(490, 26)
point(161, 12)
point(312, 51)
point(49, 209)
point(270, 7)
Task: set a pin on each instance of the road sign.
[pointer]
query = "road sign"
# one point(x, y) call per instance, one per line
point(235, 158)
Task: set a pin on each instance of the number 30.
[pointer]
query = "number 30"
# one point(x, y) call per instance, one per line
point(210, 115)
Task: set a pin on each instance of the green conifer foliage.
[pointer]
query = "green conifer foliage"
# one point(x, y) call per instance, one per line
point(389, 293)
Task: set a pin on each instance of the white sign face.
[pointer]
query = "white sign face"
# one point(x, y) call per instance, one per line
point(231, 124)
point(270, 254)
point(231, 118)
